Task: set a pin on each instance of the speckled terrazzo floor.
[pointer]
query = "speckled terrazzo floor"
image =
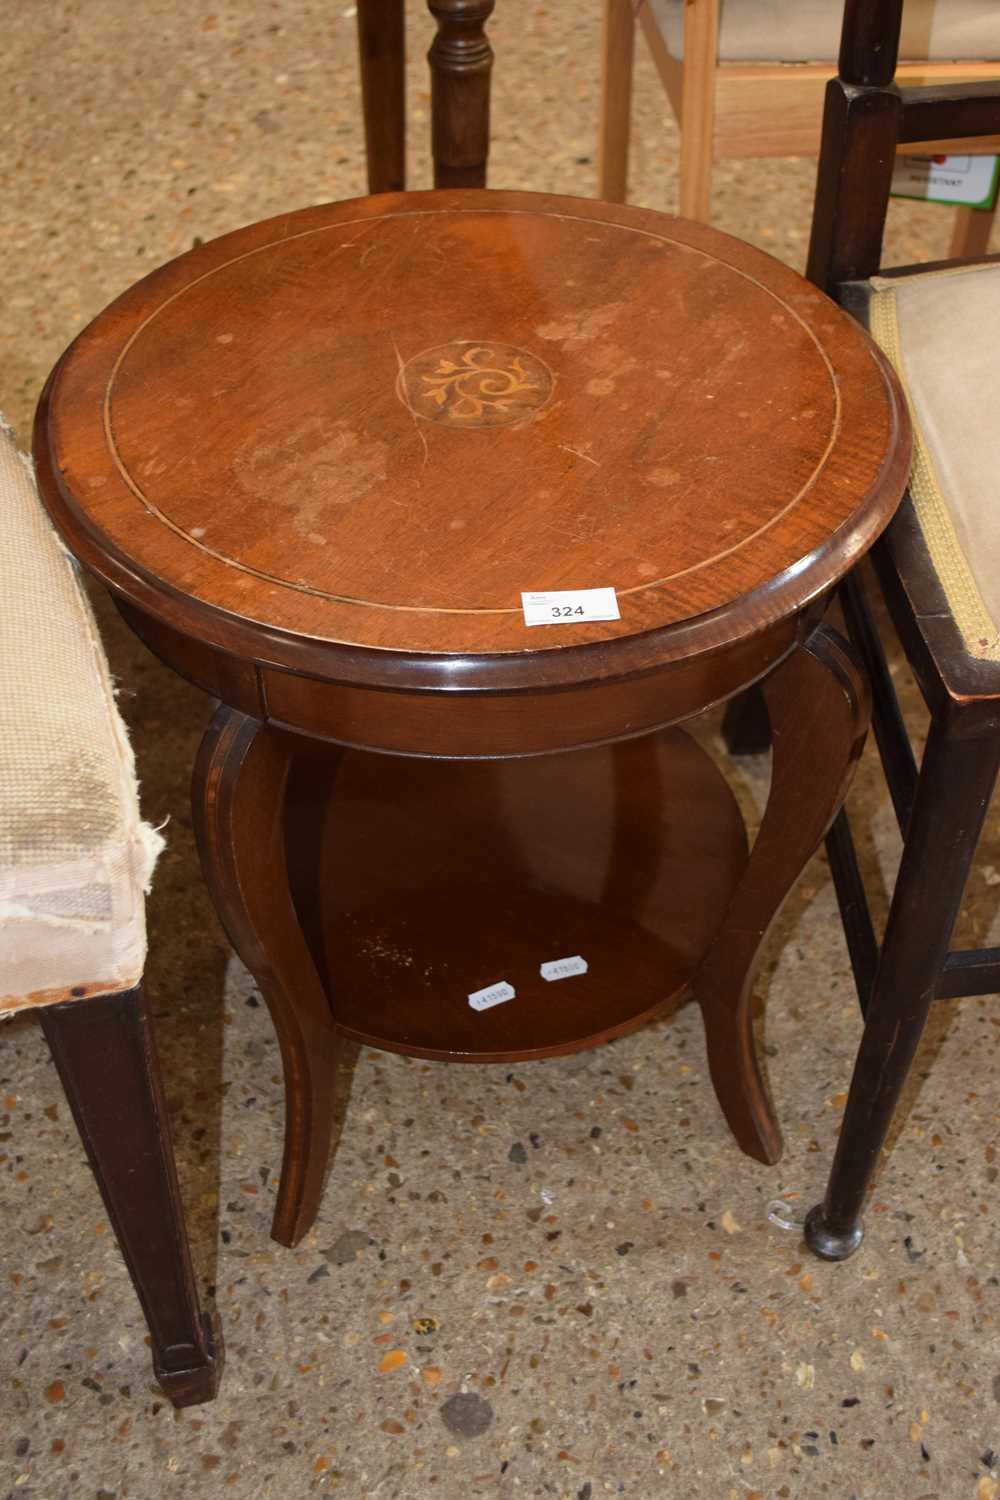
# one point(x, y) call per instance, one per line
point(573, 1257)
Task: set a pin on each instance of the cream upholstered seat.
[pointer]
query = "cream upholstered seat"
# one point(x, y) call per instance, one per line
point(75, 863)
point(75, 857)
point(809, 31)
point(941, 329)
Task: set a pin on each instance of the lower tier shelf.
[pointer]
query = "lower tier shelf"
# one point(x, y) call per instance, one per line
point(420, 882)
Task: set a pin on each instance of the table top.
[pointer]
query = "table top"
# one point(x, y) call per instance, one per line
point(361, 431)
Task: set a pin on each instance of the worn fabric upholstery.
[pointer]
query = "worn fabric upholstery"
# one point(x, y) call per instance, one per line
point(942, 331)
point(809, 30)
point(75, 858)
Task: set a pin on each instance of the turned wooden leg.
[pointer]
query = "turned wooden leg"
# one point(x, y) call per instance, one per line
point(617, 52)
point(953, 793)
point(382, 51)
point(818, 706)
point(238, 795)
point(104, 1050)
point(461, 60)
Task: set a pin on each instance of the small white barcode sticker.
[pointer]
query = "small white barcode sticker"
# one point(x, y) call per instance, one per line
point(563, 968)
point(493, 994)
point(570, 606)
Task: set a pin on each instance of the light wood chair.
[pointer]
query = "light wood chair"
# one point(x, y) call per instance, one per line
point(745, 78)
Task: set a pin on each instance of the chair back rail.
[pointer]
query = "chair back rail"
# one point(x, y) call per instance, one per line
point(941, 112)
point(866, 117)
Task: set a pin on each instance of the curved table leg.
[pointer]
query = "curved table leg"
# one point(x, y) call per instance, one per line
point(819, 708)
point(238, 797)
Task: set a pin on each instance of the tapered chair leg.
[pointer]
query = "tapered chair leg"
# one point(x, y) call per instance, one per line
point(953, 793)
point(746, 727)
point(104, 1051)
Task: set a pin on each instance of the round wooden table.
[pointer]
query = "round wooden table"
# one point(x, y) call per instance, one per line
point(320, 462)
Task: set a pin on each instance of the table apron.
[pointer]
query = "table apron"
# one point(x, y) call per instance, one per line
point(470, 725)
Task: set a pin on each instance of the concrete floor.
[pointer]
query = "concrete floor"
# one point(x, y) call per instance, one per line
point(610, 1299)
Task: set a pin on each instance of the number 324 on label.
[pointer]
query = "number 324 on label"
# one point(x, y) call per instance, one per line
point(570, 606)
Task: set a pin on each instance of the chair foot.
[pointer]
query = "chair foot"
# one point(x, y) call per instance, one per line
point(198, 1382)
point(831, 1244)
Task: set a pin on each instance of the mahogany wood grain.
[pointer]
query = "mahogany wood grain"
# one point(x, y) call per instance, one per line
point(533, 721)
point(319, 460)
point(340, 489)
point(819, 709)
point(105, 1053)
point(240, 781)
point(530, 722)
point(624, 856)
point(382, 54)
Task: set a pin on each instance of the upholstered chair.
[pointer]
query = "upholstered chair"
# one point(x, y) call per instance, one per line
point(76, 860)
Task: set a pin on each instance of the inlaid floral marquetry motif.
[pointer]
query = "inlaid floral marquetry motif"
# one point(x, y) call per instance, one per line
point(467, 384)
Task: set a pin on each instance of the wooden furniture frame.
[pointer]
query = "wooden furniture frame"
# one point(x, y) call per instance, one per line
point(305, 835)
point(75, 862)
point(461, 60)
point(746, 109)
point(104, 1050)
point(940, 807)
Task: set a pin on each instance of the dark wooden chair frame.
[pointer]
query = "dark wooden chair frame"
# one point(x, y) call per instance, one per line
point(105, 1053)
point(940, 807)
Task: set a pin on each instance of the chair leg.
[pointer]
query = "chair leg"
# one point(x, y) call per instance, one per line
point(382, 53)
point(746, 728)
point(104, 1051)
point(818, 704)
point(618, 50)
point(956, 781)
point(461, 60)
point(238, 799)
point(701, 40)
point(970, 236)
